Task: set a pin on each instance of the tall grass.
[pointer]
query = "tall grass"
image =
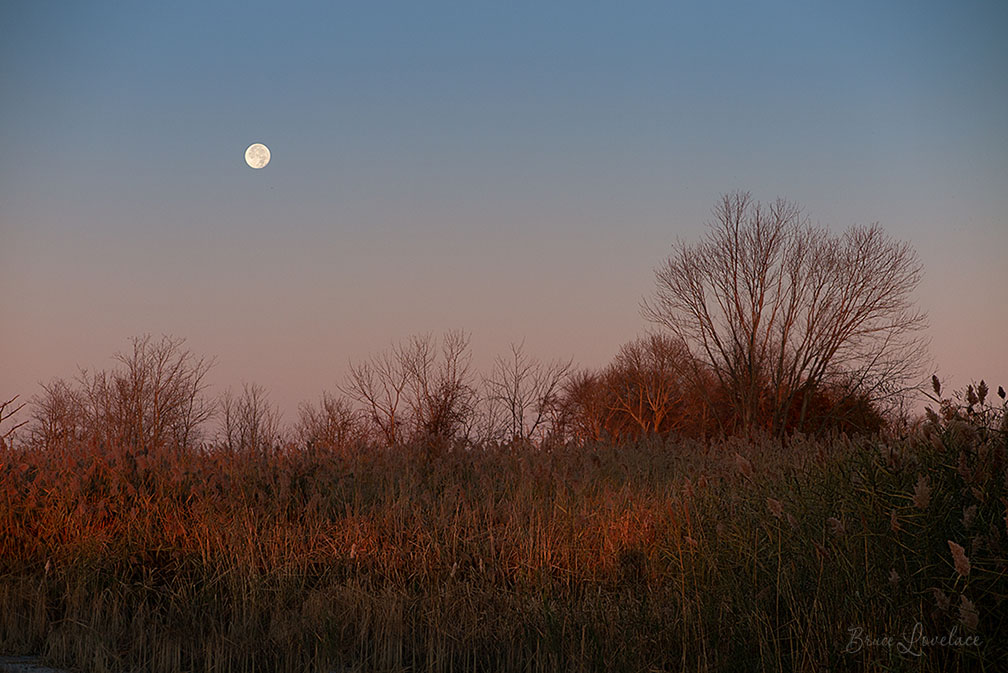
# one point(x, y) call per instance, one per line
point(746, 555)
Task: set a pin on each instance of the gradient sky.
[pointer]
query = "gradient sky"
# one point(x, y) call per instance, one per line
point(513, 169)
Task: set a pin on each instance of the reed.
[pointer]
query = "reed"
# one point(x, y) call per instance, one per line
point(750, 554)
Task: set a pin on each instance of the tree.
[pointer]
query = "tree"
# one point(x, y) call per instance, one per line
point(7, 410)
point(332, 423)
point(419, 390)
point(646, 385)
point(646, 390)
point(528, 391)
point(776, 309)
point(440, 395)
point(153, 398)
point(377, 385)
point(249, 423)
point(60, 415)
point(586, 407)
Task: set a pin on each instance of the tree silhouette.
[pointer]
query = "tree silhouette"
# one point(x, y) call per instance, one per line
point(776, 308)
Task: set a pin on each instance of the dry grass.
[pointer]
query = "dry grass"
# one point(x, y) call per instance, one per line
point(749, 555)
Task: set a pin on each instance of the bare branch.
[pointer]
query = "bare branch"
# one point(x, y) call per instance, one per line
point(778, 310)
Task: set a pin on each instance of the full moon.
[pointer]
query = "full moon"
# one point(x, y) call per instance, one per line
point(257, 155)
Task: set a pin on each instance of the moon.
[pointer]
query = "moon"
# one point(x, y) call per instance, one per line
point(257, 155)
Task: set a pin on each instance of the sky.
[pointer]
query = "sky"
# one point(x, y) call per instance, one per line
point(516, 170)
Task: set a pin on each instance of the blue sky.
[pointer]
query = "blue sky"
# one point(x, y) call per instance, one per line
point(513, 169)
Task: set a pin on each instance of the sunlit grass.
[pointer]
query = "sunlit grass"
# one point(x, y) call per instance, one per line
point(749, 555)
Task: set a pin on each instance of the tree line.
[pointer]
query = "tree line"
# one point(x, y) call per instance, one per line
point(768, 324)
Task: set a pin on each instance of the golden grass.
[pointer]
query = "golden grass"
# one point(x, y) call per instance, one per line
point(749, 555)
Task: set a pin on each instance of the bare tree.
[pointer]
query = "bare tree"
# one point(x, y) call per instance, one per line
point(646, 390)
point(248, 421)
point(331, 423)
point(647, 385)
point(486, 422)
point(418, 390)
point(377, 385)
point(154, 397)
point(586, 407)
point(775, 308)
point(440, 395)
point(529, 391)
point(7, 410)
point(60, 415)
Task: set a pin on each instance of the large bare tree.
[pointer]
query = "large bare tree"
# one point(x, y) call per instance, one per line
point(776, 308)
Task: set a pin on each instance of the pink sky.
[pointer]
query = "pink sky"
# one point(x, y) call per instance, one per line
point(517, 172)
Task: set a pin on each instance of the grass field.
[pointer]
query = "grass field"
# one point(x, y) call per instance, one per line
point(744, 555)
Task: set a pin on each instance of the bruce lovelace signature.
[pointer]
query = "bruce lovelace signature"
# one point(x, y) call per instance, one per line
point(914, 643)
